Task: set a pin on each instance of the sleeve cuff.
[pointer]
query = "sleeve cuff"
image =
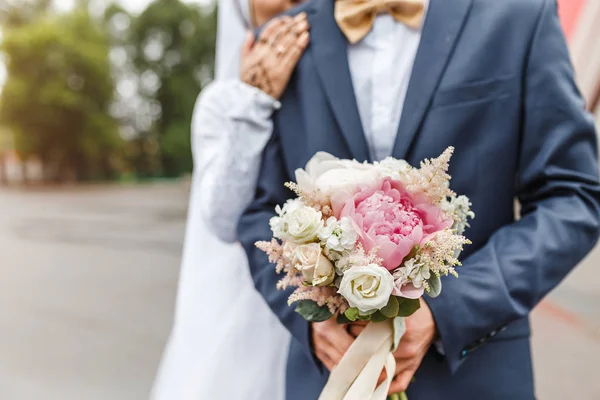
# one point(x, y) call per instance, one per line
point(251, 104)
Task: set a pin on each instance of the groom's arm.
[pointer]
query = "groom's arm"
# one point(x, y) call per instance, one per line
point(560, 196)
point(254, 226)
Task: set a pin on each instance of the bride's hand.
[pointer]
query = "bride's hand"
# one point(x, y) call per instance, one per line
point(268, 63)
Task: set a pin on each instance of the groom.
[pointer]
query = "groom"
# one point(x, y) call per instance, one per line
point(493, 79)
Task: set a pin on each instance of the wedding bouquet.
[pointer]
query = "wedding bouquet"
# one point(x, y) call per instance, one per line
point(364, 241)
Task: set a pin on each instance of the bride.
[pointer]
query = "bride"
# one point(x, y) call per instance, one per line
point(225, 342)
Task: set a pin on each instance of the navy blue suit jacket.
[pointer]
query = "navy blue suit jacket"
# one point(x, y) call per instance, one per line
point(493, 79)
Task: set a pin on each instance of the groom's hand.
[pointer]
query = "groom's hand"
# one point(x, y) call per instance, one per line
point(330, 341)
point(420, 334)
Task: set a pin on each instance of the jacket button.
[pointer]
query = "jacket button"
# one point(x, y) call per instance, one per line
point(464, 353)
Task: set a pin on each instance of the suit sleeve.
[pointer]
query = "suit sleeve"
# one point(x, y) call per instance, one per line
point(558, 189)
point(254, 226)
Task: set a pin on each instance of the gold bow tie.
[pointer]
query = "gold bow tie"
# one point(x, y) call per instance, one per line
point(355, 17)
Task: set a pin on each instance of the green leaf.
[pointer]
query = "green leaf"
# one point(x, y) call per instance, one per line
point(435, 286)
point(378, 317)
point(311, 311)
point(392, 307)
point(408, 307)
point(352, 314)
point(343, 320)
point(365, 317)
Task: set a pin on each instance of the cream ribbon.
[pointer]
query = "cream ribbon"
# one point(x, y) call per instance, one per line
point(356, 376)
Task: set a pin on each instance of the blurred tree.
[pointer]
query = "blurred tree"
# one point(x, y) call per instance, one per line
point(172, 48)
point(20, 12)
point(57, 94)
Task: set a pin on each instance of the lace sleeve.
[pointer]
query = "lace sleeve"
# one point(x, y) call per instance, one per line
point(231, 126)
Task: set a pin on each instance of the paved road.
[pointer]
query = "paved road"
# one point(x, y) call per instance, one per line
point(88, 286)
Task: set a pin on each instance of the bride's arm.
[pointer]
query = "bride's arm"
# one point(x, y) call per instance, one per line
point(232, 123)
point(231, 126)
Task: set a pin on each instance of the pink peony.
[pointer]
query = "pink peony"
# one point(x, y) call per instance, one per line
point(389, 218)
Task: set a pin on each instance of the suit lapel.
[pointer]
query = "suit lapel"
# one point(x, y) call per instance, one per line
point(442, 28)
point(329, 50)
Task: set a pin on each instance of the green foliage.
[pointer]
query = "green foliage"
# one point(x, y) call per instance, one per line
point(392, 307)
point(57, 94)
point(310, 311)
point(59, 98)
point(342, 319)
point(407, 307)
point(378, 316)
point(173, 43)
point(435, 286)
point(352, 314)
point(14, 13)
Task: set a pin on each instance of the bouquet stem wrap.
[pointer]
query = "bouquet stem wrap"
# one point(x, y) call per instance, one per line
point(356, 376)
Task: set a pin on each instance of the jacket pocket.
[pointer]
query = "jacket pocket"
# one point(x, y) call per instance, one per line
point(475, 92)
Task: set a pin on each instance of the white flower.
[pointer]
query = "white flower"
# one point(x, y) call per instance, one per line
point(394, 168)
point(296, 222)
point(460, 209)
point(329, 174)
point(338, 235)
point(367, 288)
point(412, 272)
point(315, 267)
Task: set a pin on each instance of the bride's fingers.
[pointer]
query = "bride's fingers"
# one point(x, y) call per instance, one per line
point(271, 34)
point(286, 41)
point(294, 51)
point(248, 44)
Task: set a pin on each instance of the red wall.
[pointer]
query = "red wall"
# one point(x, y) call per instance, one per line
point(568, 11)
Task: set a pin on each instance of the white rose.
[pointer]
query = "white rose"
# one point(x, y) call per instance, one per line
point(296, 222)
point(330, 174)
point(367, 288)
point(303, 224)
point(279, 224)
point(315, 267)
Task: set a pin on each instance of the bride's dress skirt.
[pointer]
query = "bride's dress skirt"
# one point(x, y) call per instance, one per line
point(226, 343)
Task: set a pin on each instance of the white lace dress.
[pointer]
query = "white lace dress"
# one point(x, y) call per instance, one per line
point(225, 344)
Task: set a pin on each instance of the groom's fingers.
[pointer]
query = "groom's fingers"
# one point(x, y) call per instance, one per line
point(332, 340)
point(401, 382)
point(325, 359)
point(340, 338)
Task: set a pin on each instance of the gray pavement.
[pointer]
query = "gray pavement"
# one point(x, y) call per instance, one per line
point(88, 285)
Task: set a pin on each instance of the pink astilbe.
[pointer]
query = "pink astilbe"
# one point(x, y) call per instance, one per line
point(440, 252)
point(275, 252)
point(432, 178)
point(315, 199)
point(358, 257)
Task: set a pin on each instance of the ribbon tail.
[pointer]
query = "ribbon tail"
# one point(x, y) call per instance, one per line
point(356, 376)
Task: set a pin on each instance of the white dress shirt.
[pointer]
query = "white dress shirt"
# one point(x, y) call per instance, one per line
point(381, 65)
